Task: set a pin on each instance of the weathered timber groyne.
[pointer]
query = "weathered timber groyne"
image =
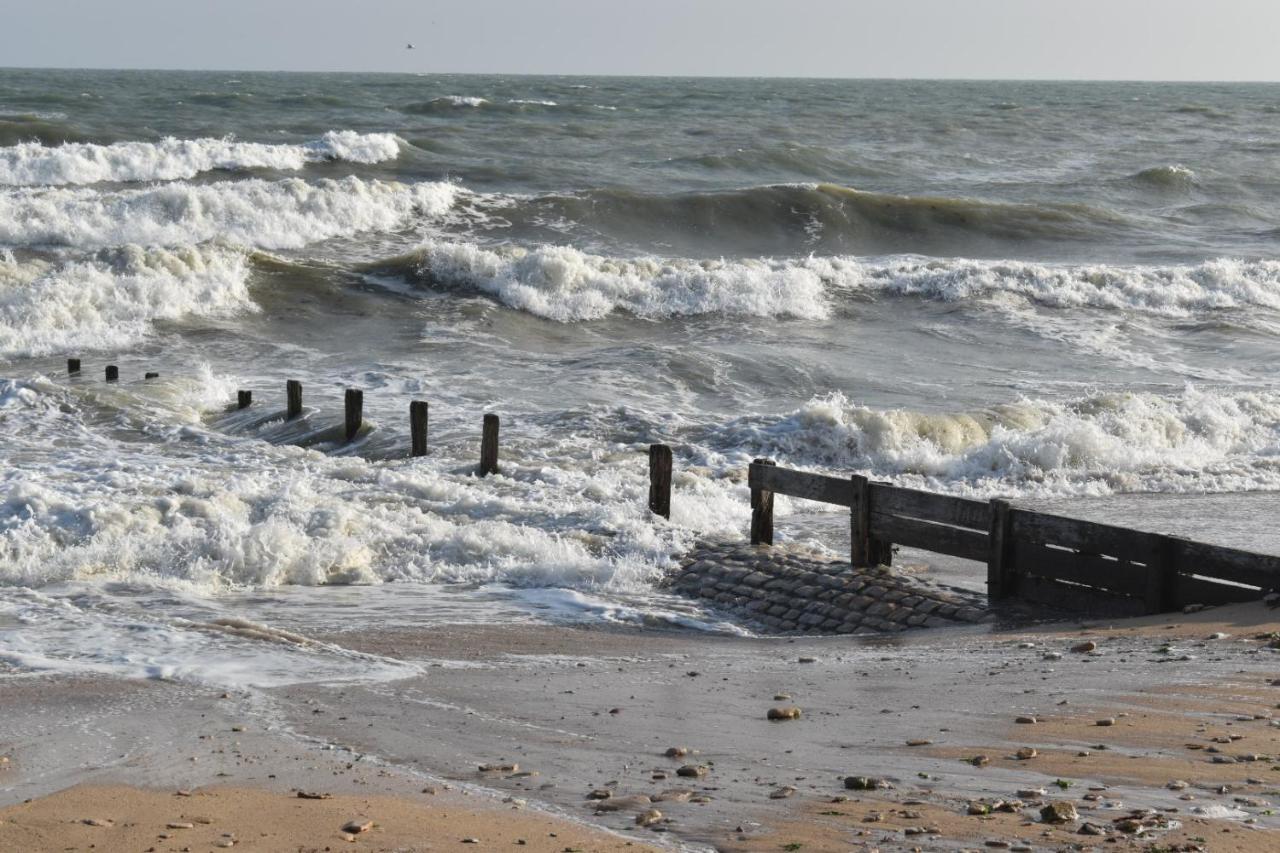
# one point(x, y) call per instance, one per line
point(795, 590)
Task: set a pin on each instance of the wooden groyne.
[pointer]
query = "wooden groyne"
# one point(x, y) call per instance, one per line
point(1030, 555)
point(1034, 556)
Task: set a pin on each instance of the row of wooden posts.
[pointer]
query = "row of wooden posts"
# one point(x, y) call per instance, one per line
point(353, 416)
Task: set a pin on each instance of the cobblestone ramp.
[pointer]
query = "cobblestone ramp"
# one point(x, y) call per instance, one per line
point(787, 589)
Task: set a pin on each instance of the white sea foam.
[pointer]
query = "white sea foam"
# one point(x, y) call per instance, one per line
point(1199, 440)
point(566, 284)
point(289, 213)
point(33, 164)
point(111, 300)
point(1176, 290)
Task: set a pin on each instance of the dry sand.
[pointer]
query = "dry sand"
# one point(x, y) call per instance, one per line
point(118, 819)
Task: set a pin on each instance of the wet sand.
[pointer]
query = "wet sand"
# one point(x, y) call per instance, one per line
point(590, 710)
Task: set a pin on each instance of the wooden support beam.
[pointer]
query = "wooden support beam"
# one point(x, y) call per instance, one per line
point(860, 555)
point(73, 366)
point(113, 373)
point(660, 480)
point(353, 406)
point(761, 510)
point(1162, 577)
point(293, 394)
point(1002, 577)
point(489, 446)
point(418, 428)
point(244, 399)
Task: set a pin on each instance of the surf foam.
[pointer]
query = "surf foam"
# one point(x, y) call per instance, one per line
point(112, 300)
point(284, 214)
point(34, 164)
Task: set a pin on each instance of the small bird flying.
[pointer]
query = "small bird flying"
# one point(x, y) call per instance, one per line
point(409, 46)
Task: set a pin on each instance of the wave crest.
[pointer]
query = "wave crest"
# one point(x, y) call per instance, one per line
point(112, 300)
point(35, 164)
point(290, 213)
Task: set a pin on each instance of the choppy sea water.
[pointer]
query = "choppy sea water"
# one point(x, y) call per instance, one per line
point(1063, 293)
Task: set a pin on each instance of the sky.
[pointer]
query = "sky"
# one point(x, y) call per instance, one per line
point(1019, 39)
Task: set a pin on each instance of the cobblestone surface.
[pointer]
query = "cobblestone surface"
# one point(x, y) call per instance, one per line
point(789, 590)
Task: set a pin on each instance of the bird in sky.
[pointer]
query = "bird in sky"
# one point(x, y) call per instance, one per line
point(409, 46)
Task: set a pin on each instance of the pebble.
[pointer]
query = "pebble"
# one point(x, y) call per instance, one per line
point(980, 761)
point(1026, 753)
point(806, 660)
point(1026, 721)
point(499, 768)
point(919, 742)
point(693, 771)
point(864, 783)
point(313, 795)
point(648, 818)
point(1083, 648)
point(677, 751)
point(600, 794)
point(1106, 721)
point(1059, 811)
point(1031, 793)
point(355, 827)
point(97, 821)
point(782, 793)
point(788, 712)
point(621, 804)
point(179, 824)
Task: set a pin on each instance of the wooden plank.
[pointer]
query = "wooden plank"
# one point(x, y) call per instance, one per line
point(1002, 579)
point(1066, 596)
point(489, 446)
point(1132, 545)
point(1122, 578)
point(761, 502)
point(353, 410)
point(660, 480)
point(939, 538)
point(942, 509)
point(1192, 590)
point(418, 428)
point(800, 484)
point(1261, 570)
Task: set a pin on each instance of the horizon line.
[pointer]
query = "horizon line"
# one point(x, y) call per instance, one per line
point(649, 76)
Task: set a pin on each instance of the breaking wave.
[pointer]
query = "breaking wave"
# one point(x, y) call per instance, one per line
point(290, 213)
point(568, 285)
point(112, 300)
point(1199, 440)
point(37, 164)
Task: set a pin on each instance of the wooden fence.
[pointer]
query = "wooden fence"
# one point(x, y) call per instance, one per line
point(1050, 559)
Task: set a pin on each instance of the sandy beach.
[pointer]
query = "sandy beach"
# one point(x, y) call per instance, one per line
point(1164, 733)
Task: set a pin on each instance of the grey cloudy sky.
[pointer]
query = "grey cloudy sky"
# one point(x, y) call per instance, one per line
point(1088, 39)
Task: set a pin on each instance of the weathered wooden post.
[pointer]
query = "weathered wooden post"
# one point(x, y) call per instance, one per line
point(244, 399)
point(761, 503)
point(1162, 576)
point(489, 446)
point(1002, 576)
point(354, 408)
point(293, 393)
point(113, 373)
point(151, 375)
point(860, 523)
point(73, 366)
point(418, 428)
point(660, 480)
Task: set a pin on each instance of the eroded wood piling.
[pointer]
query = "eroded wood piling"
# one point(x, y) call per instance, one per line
point(762, 511)
point(293, 393)
point(113, 373)
point(660, 480)
point(353, 407)
point(489, 446)
point(244, 399)
point(73, 366)
point(418, 428)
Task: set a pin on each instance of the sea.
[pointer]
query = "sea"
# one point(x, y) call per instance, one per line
point(1067, 294)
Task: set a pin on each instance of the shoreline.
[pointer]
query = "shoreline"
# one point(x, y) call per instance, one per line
point(584, 710)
